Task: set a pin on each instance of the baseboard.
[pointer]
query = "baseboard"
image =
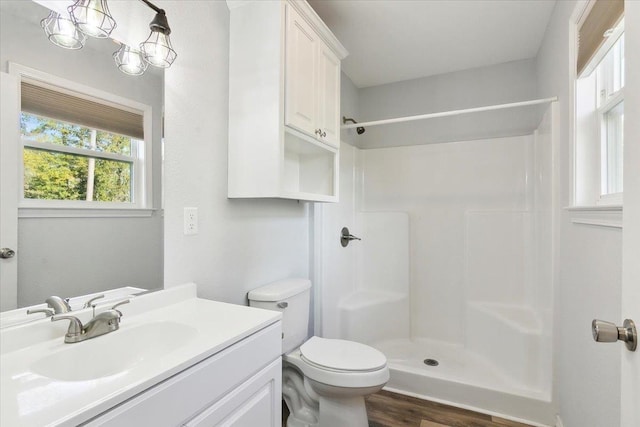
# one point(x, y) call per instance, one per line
point(559, 421)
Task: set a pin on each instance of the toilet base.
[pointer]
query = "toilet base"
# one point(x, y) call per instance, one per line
point(313, 404)
point(349, 412)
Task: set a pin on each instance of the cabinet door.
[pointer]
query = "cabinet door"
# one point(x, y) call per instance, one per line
point(257, 402)
point(328, 95)
point(300, 74)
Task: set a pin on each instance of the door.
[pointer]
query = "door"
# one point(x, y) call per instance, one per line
point(630, 372)
point(9, 120)
point(328, 95)
point(300, 74)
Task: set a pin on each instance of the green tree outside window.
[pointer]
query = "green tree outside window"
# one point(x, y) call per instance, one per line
point(51, 175)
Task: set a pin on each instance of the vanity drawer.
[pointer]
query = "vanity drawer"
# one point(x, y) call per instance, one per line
point(183, 396)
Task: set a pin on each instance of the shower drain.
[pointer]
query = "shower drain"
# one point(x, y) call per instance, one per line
point(431, 362)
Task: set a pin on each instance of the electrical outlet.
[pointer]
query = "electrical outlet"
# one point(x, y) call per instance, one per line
point(190, 221)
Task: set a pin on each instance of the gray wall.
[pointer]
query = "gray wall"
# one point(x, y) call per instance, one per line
point(241, 244)
point(74, 256)
point(479, 87)
point(588, 264)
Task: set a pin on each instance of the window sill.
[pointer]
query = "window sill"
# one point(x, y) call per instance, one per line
point(608, 216)
point(32, 212)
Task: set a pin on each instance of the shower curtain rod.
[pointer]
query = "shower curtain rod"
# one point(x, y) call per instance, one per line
point(452, 113)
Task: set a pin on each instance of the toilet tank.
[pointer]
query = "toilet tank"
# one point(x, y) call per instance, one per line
point(291, 297)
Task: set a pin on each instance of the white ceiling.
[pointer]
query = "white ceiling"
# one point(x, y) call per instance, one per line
point(395, 40)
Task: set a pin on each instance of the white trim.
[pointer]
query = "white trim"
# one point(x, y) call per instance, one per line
point(608, 216)
point(84, 152)
point(613, 100)
point(559, 421)
point(142, 185)
point(452, 113)
point(580, 12)
point(27, 212)
point(598, 222)
point(317, 266)
point(601, 208)
point(613, 199)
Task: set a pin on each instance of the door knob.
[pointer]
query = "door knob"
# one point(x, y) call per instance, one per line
point(608, 332)
point(7, 253)
point(346, 237)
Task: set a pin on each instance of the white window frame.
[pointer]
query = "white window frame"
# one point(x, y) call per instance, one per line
point(585, 210)
point(608, 99)
point(142, 173)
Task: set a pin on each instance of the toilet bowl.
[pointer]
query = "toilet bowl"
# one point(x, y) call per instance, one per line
point(324, 380)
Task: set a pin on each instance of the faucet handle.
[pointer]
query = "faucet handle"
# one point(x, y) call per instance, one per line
point(48, 312)
point(75, 326)
point(118, 304)
point(90, 302)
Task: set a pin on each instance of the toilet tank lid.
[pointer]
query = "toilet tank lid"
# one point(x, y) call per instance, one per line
point(279, 290)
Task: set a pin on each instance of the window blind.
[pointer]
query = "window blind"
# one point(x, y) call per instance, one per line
point(604, 14)
point(47, 102)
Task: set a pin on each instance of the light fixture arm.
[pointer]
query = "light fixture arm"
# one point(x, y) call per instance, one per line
point(152, 6)
point(160, 22)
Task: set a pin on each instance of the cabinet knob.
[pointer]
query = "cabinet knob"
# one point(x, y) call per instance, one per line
point(7, 253)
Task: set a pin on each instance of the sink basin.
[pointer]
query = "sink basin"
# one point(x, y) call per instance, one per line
point(117, 351)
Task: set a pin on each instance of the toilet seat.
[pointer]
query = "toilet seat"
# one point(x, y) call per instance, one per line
point(371, 372)
point(342, 355)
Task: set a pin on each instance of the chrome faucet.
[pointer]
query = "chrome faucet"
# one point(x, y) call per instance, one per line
point(103, 323)
point(58, 304)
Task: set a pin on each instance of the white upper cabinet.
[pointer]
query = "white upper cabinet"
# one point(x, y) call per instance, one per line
point(284, 102)
point(312, 79)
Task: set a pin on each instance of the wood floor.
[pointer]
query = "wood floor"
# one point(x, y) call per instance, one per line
point(386, 409)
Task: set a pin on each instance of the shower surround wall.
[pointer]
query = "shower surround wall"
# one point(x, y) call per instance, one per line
point(455, 264)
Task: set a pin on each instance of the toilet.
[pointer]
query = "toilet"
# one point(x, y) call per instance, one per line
point(324, 381)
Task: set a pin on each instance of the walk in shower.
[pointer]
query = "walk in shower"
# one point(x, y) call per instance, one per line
point(452, 279)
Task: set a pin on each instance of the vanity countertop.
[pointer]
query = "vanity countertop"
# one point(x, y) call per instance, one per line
point(170, 331)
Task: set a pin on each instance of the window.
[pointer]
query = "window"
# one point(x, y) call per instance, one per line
point(82, 148)
point(64, 161)
point(599, 104)
point(610, 95)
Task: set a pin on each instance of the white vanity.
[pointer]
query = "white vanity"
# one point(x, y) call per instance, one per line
point(175, 360)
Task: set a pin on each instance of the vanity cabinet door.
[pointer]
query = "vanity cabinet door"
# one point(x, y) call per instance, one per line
point(257, 402)
point(300, 74)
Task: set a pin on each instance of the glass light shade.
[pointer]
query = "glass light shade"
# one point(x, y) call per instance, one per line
point(92, 17)
point(62, 32)
point(130, 61)
point(157, 50)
